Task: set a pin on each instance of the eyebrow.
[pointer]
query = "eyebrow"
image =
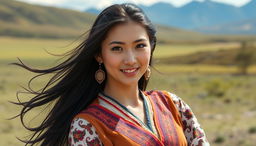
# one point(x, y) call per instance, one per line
point(119, 42)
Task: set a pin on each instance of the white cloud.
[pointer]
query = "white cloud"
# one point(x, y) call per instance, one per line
point(233, 2)
point(85, 4)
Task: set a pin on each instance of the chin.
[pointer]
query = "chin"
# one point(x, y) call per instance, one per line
point(131, 82)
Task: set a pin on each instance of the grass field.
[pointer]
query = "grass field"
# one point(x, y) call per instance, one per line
point(167, 50)
point(224, 103)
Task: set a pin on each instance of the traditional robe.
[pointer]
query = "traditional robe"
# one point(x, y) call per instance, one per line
point(170, 122)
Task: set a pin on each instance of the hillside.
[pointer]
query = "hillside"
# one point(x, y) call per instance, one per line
point(220, 57)
point(25, 20)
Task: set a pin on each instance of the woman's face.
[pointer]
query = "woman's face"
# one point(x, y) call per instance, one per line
point(125, 54)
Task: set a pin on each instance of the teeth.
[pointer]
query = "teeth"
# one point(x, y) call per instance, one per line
point(129, 71)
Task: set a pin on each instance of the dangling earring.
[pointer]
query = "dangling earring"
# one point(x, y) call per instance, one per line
point(99, 75)
point(147, 74)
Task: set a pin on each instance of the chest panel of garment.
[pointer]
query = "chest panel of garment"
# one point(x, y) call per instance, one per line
point(119, 127)
point(166, 120)
point(170, 131)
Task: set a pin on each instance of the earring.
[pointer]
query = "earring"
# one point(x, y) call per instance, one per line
point(147, 74)
point(99, 75)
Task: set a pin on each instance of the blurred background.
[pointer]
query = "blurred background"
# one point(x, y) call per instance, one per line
point(206, 54)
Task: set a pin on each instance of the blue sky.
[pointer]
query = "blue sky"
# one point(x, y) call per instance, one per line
point(85, 4)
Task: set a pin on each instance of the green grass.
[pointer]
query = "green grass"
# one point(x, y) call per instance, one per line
point(229, 116)
point(12, 48)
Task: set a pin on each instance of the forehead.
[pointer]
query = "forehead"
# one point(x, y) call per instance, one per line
point(129, 31)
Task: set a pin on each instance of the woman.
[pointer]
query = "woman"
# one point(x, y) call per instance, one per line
point(99, 91)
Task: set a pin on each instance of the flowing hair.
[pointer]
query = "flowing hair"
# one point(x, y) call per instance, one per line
point(73, 86)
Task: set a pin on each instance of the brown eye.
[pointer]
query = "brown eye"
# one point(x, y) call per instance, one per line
point(116, 48)
point(140, 46)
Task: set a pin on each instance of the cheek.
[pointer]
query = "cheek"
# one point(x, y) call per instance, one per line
point(110, 60)
point(145, 57)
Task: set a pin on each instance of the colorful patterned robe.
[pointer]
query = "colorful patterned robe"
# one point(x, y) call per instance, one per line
point(106, 122)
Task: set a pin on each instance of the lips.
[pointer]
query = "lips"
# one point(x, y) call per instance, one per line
point(129, 71)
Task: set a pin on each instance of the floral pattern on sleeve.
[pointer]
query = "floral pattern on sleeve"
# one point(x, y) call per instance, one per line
point(194, 133)
point(82, 133)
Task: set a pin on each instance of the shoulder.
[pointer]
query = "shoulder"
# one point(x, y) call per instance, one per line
point(193, 132)
point(82, 133)
point(165, 94)
point(180, 105)
point(195, 135)
point(170, 99)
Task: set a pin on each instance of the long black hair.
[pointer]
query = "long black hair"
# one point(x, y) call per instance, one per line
point(73, 86)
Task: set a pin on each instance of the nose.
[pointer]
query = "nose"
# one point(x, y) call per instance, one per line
point(130, 58)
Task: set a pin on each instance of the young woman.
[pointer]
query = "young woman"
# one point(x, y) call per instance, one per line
point(99, 91)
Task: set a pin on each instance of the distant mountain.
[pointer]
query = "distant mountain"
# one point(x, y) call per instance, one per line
point(93, 11)
point(239, 27)
point(249, 9)
point(161, 13)
point(199, 15)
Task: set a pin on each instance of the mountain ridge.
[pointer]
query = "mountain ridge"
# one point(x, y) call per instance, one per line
point(198, 16)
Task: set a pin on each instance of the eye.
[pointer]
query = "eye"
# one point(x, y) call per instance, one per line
point(116, 48)
point(140, 46)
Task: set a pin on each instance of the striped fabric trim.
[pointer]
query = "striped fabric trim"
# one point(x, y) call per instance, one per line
point(151, 113)
point(108, 104)
point(122, 126)
point(164, 120)
point(112, 106)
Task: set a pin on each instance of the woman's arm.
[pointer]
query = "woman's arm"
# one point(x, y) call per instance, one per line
point(83, 133)
point(194, 133)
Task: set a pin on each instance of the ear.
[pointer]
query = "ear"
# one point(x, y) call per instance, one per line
point(98, 58)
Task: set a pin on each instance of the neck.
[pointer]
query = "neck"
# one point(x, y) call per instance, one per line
point(126, 95)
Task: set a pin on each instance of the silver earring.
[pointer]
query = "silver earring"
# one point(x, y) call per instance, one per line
point(99, 75)
point(147, 74)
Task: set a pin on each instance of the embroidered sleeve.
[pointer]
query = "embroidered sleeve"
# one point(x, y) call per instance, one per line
point(82, 133)
point(194, 133)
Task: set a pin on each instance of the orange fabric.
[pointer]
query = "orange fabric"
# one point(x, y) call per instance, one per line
point(177, 122)
point(116, 137)
point(107, 136)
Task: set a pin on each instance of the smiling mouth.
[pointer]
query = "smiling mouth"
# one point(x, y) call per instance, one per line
point(129, 70)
